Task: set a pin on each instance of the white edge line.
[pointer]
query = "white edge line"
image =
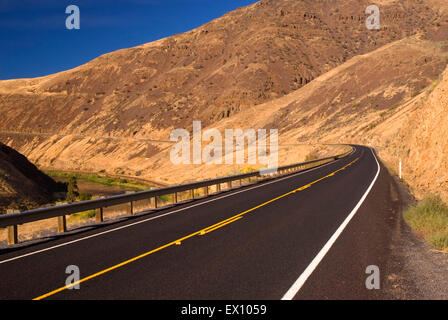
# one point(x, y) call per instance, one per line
point(161, 215)
point(295, 288)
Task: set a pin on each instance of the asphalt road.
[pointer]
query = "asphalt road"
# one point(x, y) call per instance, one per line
point(309, 235)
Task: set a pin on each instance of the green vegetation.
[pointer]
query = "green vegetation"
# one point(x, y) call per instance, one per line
point(312, 156)
point(434, 85)
point(82, 215)
point(247, 169)
point(104, 180)
point(429, 219)
point(165, 198)
point(372, 126)
point(84, 196)
point(72, 190)
point(73, 193)
point(390, 110)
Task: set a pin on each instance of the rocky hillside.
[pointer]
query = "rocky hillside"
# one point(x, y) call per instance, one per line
point(262, 66)
point(420, 140)
point(394, 99)
point(245, 58)
point(21, 183)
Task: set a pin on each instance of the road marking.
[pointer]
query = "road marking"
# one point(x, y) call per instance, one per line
point(205, 231)
point(295, 288)
point(304, 187)
point(179, 241)
point(163, 215)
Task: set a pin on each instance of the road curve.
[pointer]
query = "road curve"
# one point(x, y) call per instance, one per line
point(309, 235)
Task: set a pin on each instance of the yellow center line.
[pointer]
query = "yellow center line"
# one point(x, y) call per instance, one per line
point(200, 232)
point(205, 231)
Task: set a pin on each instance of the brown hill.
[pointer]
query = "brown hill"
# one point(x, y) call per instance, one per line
point(417, 136)
point(394, 98)
point(245, 58)
point(21, 183)
point(262, 66)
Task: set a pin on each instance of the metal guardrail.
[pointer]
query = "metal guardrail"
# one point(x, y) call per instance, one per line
point(12, 220)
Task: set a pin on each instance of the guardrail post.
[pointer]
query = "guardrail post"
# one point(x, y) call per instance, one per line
point(218, 187)
point(229, 185)
point(192, 194)
point(99, 217)
point(156, 205)
point(12, 230)
point(62, 224)
point(12, 235)
point(130, 208)
point(175, 200)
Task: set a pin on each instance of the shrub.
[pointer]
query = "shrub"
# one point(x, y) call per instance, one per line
point(82, 215)
point(72, 189)
point(311, 156)
point(85, 196)
point(429, 219)
point(247, 169)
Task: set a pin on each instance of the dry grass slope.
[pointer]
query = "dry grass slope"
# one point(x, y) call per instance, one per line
point(99, 112)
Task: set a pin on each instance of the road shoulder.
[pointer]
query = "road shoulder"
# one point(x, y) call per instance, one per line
point(417, 270)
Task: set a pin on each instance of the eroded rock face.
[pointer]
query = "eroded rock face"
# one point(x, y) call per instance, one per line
point(424, 147)
point(21, 183)
point(94, 117)
point(245, 58)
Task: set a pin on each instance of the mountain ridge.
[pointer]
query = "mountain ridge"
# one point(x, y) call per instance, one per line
point(228, 73)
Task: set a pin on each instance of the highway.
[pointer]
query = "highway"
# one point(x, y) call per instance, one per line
point(309, 235)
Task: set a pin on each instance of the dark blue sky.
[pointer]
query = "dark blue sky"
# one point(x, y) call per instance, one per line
point(35, 41)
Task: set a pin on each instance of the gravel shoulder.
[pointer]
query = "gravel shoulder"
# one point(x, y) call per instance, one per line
point(417, 270)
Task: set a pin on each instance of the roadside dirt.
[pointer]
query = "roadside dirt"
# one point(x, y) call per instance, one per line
point(417, 270)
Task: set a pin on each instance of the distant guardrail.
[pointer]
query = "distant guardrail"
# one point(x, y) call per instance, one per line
point(13, 220)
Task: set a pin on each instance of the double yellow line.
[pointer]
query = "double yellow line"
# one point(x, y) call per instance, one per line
point(200, 232)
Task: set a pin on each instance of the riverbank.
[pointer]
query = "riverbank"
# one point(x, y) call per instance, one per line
point(100, 179)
